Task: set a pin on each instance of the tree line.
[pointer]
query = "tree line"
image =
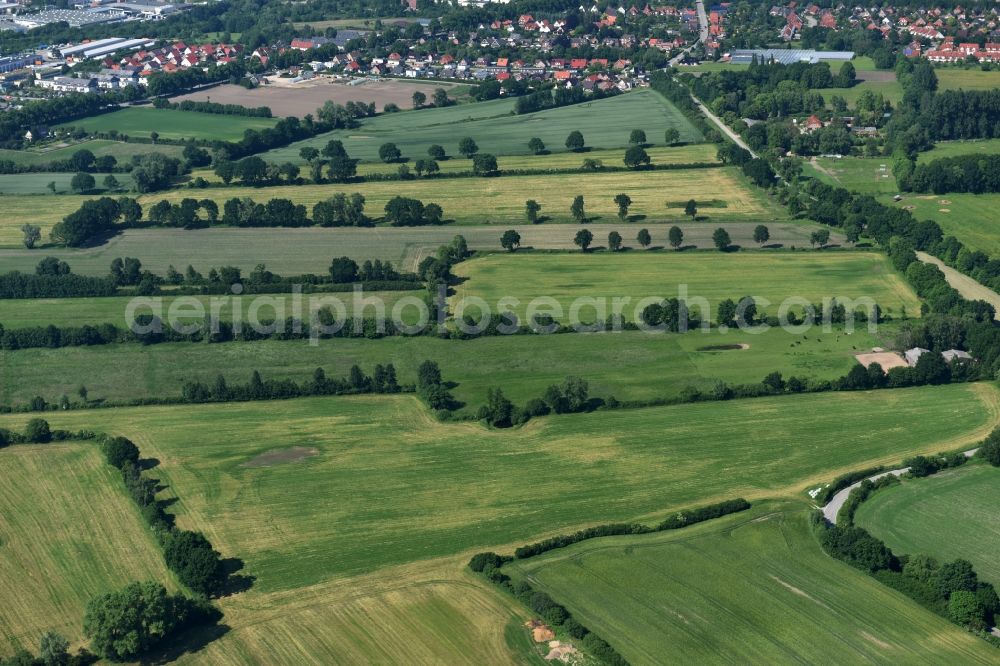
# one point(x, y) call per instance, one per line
point(964, 173)
point(214, 108)
point(383, 380)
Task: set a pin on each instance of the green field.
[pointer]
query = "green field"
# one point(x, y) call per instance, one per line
point(38, 183)
point(627, 365)
point(950, 515)
point(68, 532)
point(712, 276)
point(858, 174)
point(390, 485)
point(953, 78)
point(497, 130)
point(52, 152)
point(294, 251)
point(956, 148)
point(22, 313)
point(172, 124)
point(749, 588)
point(972, 218)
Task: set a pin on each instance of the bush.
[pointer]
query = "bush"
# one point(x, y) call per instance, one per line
point(118, 450)
point(38, 431)
point(480, 561)
point(990, 448)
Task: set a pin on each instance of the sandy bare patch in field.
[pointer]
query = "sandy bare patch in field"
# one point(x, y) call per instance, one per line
point(885, 359)
point(281, 456)
point(297, 99)
point(869, 637)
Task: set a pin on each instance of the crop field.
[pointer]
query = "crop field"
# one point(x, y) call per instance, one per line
point(858, 174)
point(43, 211)
point(38, 183)
point(172, 124)
point(950, 78)
point(712, 276)
point(949, 515)
point(972, 218)
point(297, 99)
point(388, 484)
point(748, 588)
point(956, 148)
point(66, 517)
point(54, 152)
point(627, 365)
point(474, 200)
point(501, 200)
point(689, 154)
point(294, 251)
point(497, 130)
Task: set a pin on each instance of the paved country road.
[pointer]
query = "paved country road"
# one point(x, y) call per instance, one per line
point(832, 508)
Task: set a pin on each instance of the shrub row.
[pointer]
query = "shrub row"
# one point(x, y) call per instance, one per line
point(677, 521)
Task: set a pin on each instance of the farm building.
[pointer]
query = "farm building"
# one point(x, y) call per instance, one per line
point(912, 355)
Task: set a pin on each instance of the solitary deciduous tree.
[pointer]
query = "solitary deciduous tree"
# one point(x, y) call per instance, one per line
point(614, 241)
point(637, 137)
point(32, 234)
point(635, 157)
point(819, 237)
point(468, 147)
point(419, 99)
point(623, 201)
point(760, 234)
point(574, 141)
point(576, 209)
point(721, 239)
point(536, 145)
point(644, 238)
point(691, 208)
point(436, 152)
point(531, 209)
point(389, 152)
point(671, 136)
point(675, 236)
point(583, 239)
point(510, 240)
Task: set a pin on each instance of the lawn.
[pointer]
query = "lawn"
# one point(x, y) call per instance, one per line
point(38, 183)
point(950, 515)
point(172, 124)
point(956, 148)
point(953, 78)
point(972, 218)
point(627, 365)
point(294, 251)
point(890, 90)
point(748, 588)
point(858, 174)
point(497, 130)
point(712, 276)
point(389, 484)
point(53, 152)
point(69, 533)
